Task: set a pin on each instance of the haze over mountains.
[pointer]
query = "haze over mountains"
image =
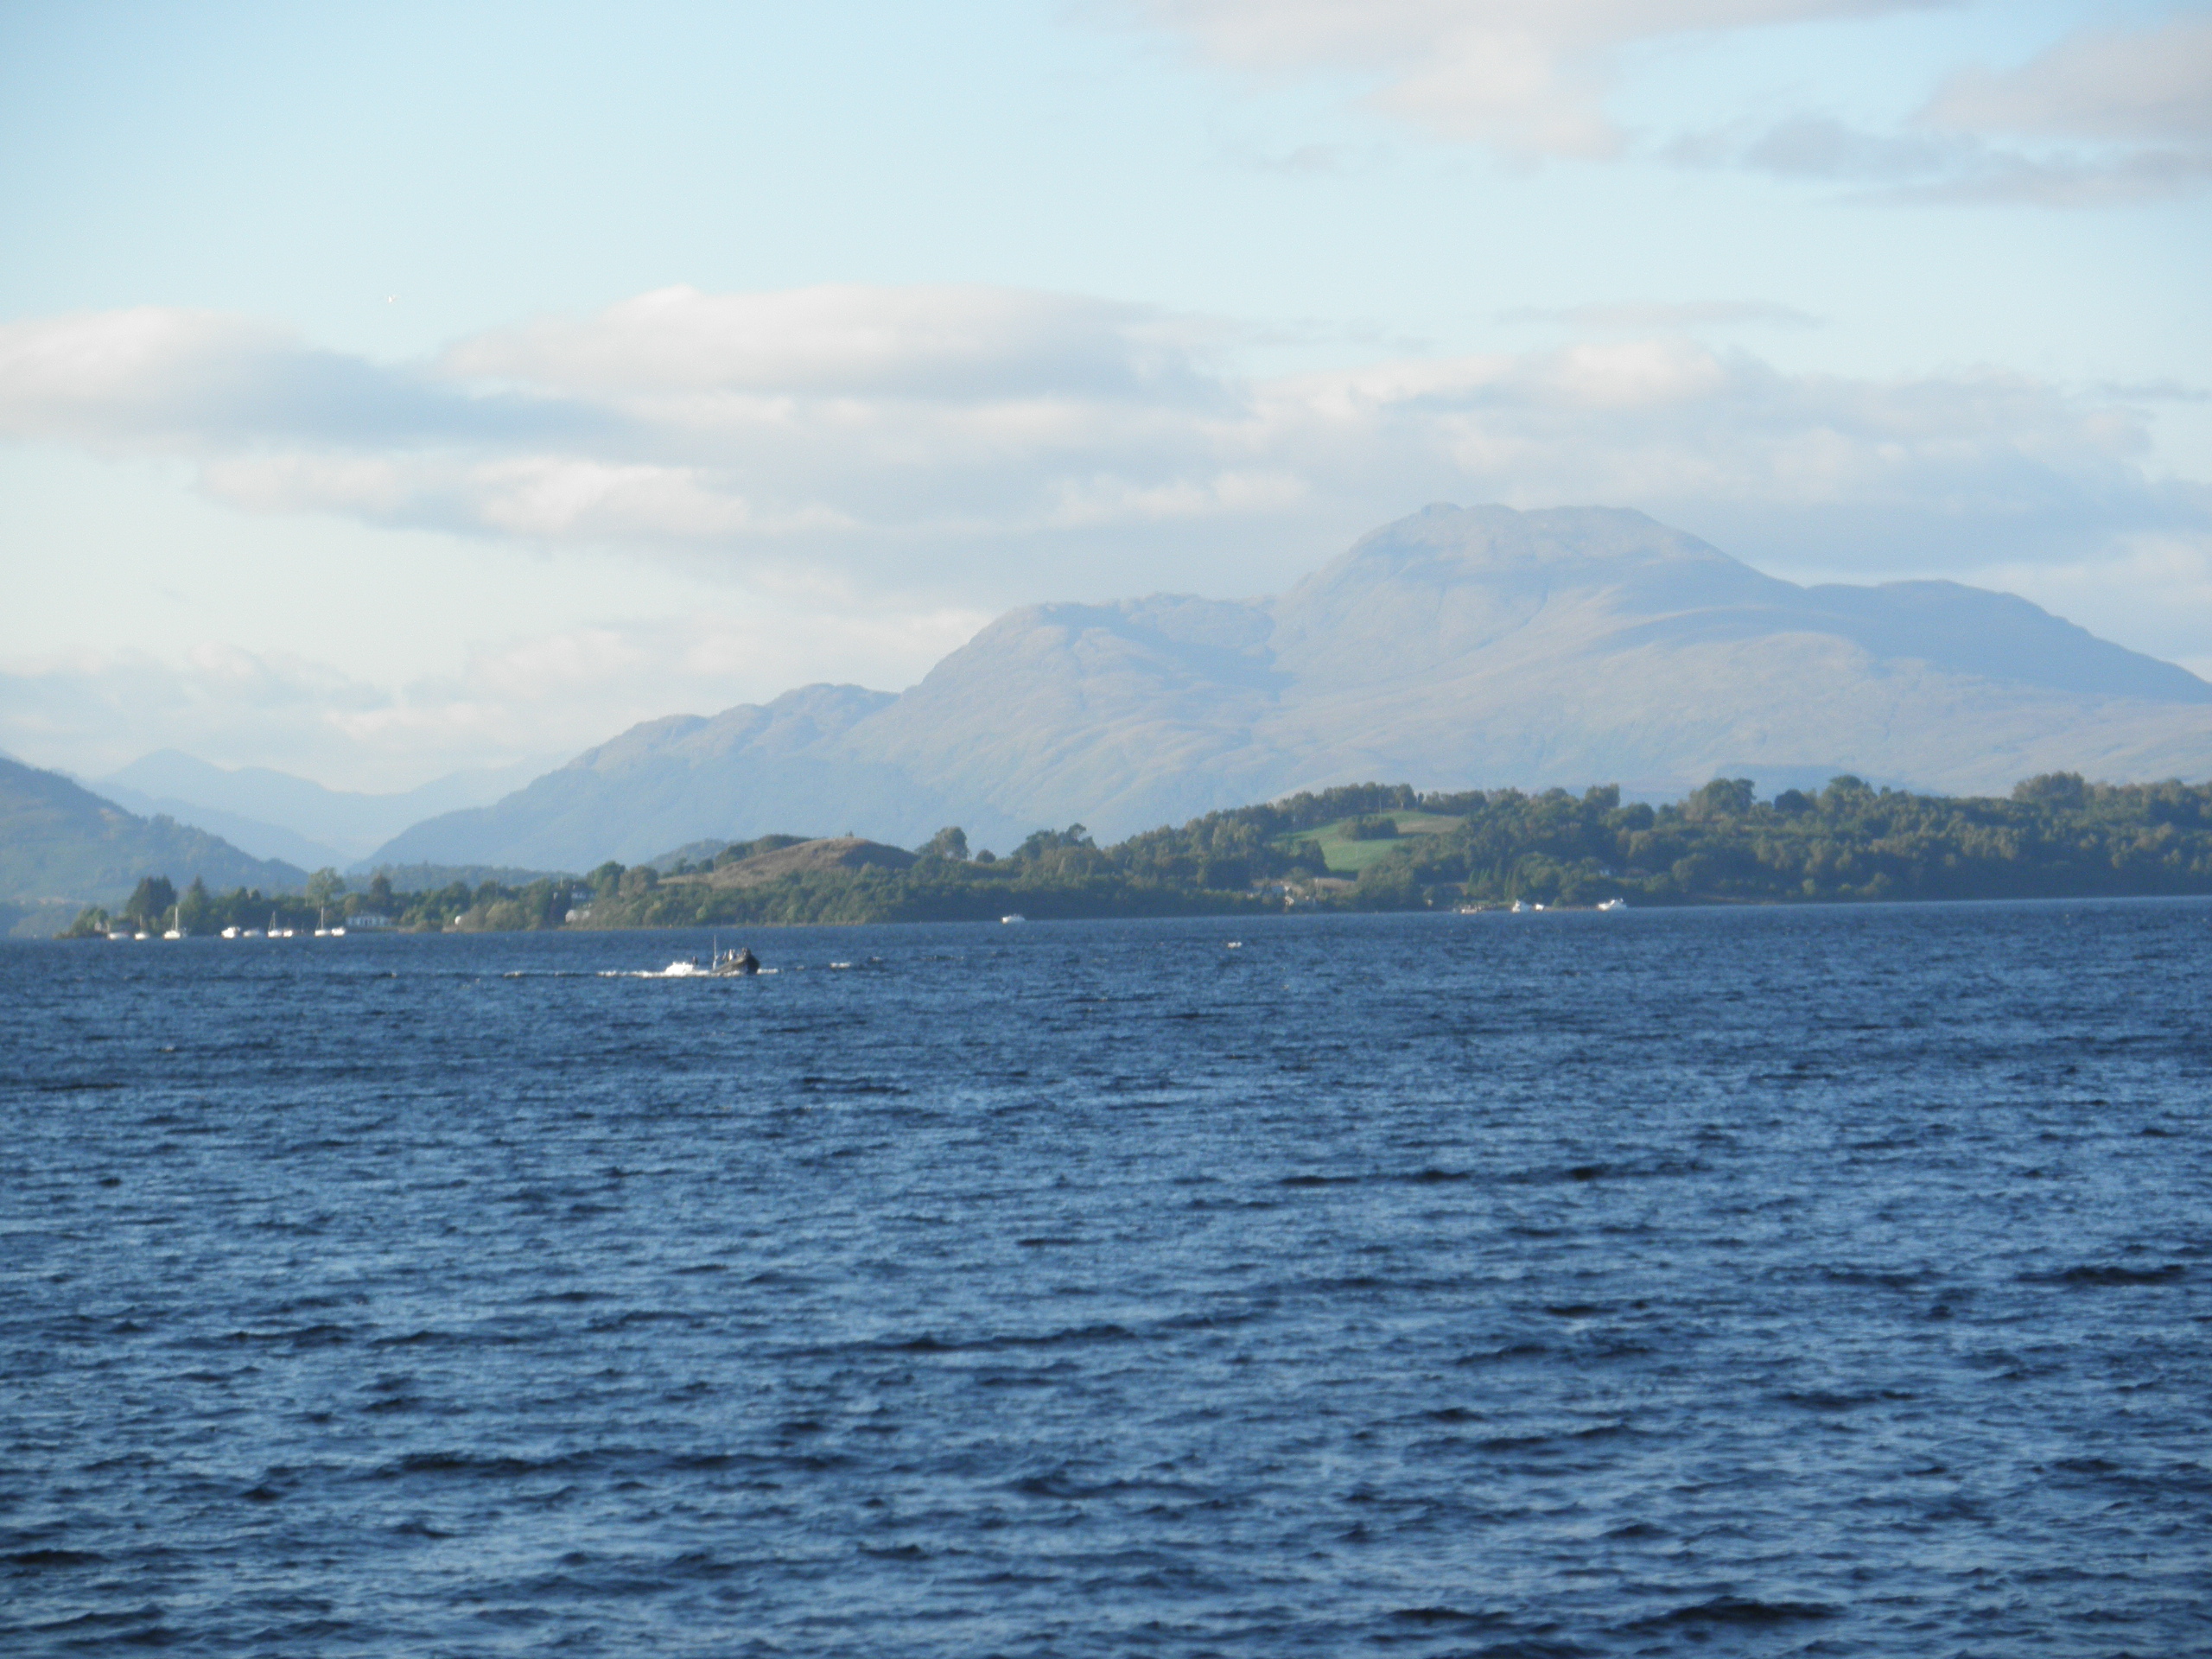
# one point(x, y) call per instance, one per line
point(1457, 648)
point(274, 815)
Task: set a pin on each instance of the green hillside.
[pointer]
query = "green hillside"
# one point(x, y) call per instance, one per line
point(62, 847)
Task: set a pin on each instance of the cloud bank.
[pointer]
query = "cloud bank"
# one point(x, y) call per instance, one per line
point(974, 443)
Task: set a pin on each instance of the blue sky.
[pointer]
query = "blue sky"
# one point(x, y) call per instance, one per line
point(388, 389)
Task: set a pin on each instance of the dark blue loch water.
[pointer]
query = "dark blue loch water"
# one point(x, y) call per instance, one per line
point(1807, 1281)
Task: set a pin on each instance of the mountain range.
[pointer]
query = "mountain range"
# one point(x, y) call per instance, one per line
point(1457, 648)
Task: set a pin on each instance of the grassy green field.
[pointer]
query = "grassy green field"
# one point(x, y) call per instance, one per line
point(1349, 857)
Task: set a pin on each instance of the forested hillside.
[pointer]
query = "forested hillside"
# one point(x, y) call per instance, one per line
point(61, 846)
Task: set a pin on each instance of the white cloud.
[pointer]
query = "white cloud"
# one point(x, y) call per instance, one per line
point(1950, 168)
point(1528, 76)
point(2103, 117)
point(844, 340)
point(976, 443)
point(2149, 86)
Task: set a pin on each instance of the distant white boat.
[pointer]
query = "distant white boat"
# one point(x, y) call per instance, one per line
point(338, 932)
point(1519, 908)
point(230, 933)
point(250, 933)
point(177, 927)
point(323, 924)
point(1012, 916)
point(1614, 904)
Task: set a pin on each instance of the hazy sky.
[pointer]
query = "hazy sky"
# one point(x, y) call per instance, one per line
point(390, 388)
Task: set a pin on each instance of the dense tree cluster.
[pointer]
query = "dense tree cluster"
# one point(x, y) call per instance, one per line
point(2057, 836)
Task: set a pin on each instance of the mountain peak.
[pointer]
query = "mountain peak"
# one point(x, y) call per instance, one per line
point(1492, 540)
point(1459, 647)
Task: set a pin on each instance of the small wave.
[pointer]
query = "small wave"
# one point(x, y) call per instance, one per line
point(814, 1082)
point(313, 1336)
point(926, 1343)
point(36, 1559)
point(1824, 1400)
point(1510, 1351)
point(1453, 1616)
point(1739, 1610)
point(1061, 1484)
point(469, 1464)
point(2104, 1275)
point(150, 1615)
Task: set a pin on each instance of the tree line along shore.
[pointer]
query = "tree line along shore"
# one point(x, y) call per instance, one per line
point(1369, 846)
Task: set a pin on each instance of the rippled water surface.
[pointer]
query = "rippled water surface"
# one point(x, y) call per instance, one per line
point(1822, 1281)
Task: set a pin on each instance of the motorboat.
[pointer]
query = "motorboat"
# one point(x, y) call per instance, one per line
point(740, 963)
point(1012, 916)
point(1613, 904)
point(231, 933)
